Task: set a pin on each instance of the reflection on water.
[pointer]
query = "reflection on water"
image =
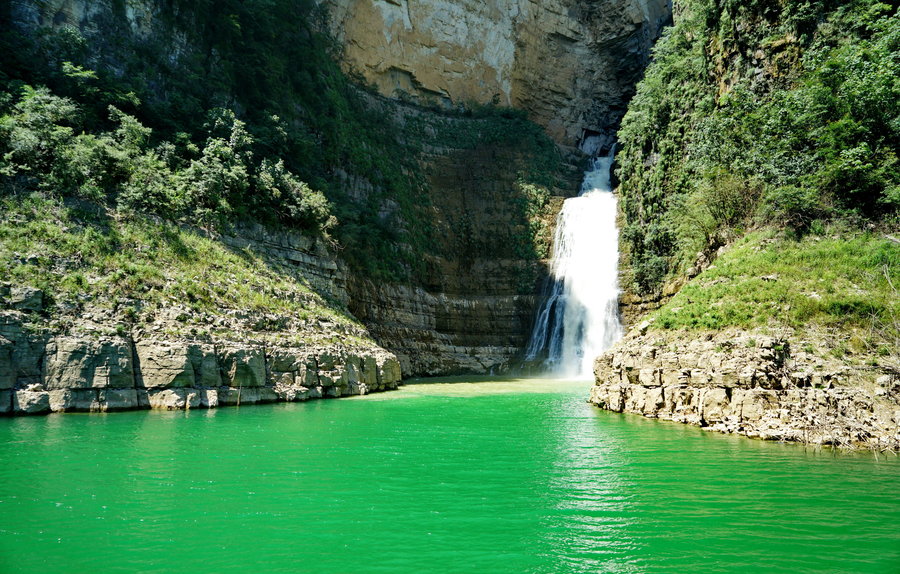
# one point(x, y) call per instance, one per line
point(481, 476)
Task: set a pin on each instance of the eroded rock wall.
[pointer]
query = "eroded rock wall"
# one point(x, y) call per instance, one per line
point(96, 372)
point(472, 311)
point(751, 384)
point(572, 64)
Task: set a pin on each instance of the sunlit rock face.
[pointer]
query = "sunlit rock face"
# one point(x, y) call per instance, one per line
point(572, 64)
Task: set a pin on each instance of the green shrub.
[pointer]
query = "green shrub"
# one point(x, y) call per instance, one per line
point(796, 103)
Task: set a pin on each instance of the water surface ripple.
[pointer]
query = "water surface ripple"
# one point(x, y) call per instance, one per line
point(503, 476)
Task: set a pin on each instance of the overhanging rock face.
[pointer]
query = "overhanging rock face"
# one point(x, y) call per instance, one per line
point(571, 64)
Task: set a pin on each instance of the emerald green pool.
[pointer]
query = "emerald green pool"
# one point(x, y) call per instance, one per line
point(501, 476)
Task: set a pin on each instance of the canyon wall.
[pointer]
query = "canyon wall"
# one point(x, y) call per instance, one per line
point(472, 310)
point(571, 64)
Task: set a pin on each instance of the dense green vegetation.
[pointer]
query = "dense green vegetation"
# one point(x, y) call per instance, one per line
point(216, 113)
point(760, 113)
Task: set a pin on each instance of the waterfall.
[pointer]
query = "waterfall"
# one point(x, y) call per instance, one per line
point(580, 317)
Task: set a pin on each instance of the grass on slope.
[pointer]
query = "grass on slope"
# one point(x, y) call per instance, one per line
point(846, 282)
point(89, 258)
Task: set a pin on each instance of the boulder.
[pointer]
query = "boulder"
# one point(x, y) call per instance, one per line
point(29, 402)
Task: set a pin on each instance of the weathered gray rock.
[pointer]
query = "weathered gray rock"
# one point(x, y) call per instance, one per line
point(209, 398)
point(118, 399)
point(267, 395)
point(714, 404)
point(7, 371)
point(31, 402)
point(164, 365)
point(78, 363)
point(174, 399)
point(389, 375)
point(230, 396)
point(243, 367)
point(74, 400)
point(26, 299)
point(98, 373)
point(749, 384)
point(369, 374)
point(26, 350)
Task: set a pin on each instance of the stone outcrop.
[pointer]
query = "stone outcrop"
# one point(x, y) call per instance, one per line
point(751, 384)
point(572, 64)
point(41, 373)
point(89, 362)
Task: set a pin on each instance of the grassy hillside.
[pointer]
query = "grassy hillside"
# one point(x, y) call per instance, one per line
point(841, 283)
point(101, 271)
point(781, 114)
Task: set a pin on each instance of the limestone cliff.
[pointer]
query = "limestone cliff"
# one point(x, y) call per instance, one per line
point(572, 64)
point(751, 383)
point(472, 308)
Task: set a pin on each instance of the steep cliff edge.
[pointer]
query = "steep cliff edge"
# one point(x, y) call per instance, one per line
point(571, 64)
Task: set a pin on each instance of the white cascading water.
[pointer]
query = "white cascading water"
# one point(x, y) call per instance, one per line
point(580, 318)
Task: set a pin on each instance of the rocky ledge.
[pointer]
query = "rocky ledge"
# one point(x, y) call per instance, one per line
point(96, 372)
point(751, 384)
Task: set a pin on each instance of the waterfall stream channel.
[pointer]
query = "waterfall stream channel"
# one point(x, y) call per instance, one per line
point(579, 319)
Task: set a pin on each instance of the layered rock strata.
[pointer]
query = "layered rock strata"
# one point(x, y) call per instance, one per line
point(42, 373)
point(750, 384)
point(472, 309)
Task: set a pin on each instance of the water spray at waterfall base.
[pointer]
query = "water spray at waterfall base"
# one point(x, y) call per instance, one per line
point(580, 317)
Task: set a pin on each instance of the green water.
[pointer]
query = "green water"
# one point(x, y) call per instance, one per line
point(518, 476)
